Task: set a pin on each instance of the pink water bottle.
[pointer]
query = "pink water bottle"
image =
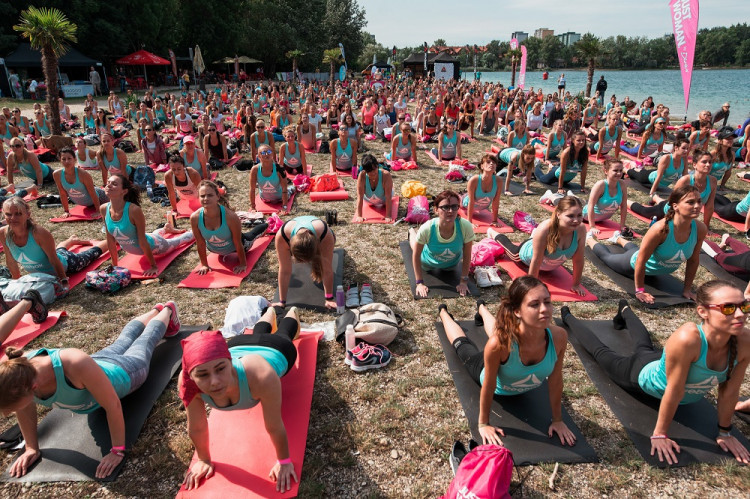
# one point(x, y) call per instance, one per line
point(355, 171)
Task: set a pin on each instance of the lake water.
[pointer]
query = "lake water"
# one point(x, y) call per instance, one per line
point(710, 88)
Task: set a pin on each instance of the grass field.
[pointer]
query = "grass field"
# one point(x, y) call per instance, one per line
point(385, 433)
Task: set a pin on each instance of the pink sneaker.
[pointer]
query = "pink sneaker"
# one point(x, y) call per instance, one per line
point(174, 321)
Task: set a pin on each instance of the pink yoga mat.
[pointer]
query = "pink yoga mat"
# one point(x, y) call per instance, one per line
point(79, 213)
point(435, 159)
point(27, 330)
point(317, 147)
point(372, 215)
point(740, 226)
point(221, 274)
point(607, 228)
point(187, 206)
point(339, 194)
point(559, 281)
point(242, 451)
point(77, 278)
point(483, 221)
point(138, 264)
point(269, 208)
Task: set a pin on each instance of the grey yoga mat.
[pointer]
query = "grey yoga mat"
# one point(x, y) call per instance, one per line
point(524, 418)
point(303, 292)
point(440, 283)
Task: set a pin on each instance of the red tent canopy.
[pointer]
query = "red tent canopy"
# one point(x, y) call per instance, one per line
point(142, 58)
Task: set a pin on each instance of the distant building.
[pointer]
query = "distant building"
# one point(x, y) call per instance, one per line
point(519, 35)
point(544, 33)
point(569, 38)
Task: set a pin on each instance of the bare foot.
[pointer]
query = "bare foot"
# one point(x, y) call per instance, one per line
point(743, 406)
point(723, 243)
point(73, 241)
point(170, 229)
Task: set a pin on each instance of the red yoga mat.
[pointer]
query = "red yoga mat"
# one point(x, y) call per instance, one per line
point(483, 221)
point(221, 274)
point(740, 226)
point(372, 215)
point(317, 147)
point(559, 281)
point(79, 213)
point(435, 159)
point(339, 194)
point(187, 206)
point(242, 451)
point(138, 264)
point(27, 330)
point(269, 208)
point(77, 278)
point(607, 228)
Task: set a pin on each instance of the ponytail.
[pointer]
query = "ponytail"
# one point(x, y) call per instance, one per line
point(17, 377)
point(674, 198)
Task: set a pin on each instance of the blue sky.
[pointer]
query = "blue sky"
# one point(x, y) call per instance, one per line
point(411, 22)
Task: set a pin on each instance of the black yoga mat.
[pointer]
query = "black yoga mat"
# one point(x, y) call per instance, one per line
point(666, 289)
point(303, 292)
point(73, 444)
point(720, 272)
point(745, 416)
point(693, 427)
point(572, 186)
point(441, 283)
point(634, 184)
point(524, 418)
point(516, 188)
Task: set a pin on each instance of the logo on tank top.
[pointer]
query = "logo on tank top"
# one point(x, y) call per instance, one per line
point(677, 259)
point(525, 384)
point(218, 242)
point(25, 260)
point(119, 235)
point(79, 407)
point(446, 256)
point(702, 386)
point(76, 193)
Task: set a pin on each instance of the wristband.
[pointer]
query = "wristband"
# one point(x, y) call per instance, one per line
point(725, 434)
point(482, 425)
point(640, 290)
point(465, 278)
point(420, 281)
point(725, 428)
point(658, 437)
point(285, 461)
point(553, 420)
point(329, 297)
point(283, 302)
point(118, 451)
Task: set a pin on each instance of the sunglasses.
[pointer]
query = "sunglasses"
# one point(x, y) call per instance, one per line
point(17, 146)
point(260, 126)
point(211, 129)
point(730, 308)
point(149, 129)
point(449, 207)
point(451, 122)
point(265, 153)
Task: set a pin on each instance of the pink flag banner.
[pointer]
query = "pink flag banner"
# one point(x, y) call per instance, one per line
point(685, 26)
point(174, 61)
point(522, 75)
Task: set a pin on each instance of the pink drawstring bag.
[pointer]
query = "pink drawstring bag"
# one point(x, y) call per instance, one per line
point(454, 176)
point(485, 253)
point(274, 224)
point(418, 210)
point(302, 183)
point(524, 222)
point(484, 473)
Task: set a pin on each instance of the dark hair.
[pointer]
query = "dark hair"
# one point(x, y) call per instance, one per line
point(176, 158)
point(506, 322)
point(583, 154)
point(369, 163)
point(674, 198)
point(488, 157)
point(699, 153)
point(212, 185)
point(680, 139)
point(703, 298)
point(446, 194)
point(66, 150)
point(133, 195)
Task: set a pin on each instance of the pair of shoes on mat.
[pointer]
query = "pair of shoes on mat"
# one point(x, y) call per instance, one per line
point(487, 277)
point(550, 198)
point(617, 235)
point(627, 233)
point(458, 453)
point(364, 357)
point(38, 309)
point(356, 298)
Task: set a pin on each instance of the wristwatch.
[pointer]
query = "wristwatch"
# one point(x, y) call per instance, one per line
point(465, 278)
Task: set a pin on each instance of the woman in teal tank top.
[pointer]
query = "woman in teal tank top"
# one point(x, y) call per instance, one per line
point(218, 229)
point(343, 157)
point(483, 190)
point(608, 196)
point(25, 160)
point(523, 349)
point(670, 168)
point(295, 163)
point(379, 196)
point(69, 378)
point(111, 159)
point(239, 374)
point(268, 181)
point(608, 137)
point(696, 358)
point(74, 183)
point(555, 143)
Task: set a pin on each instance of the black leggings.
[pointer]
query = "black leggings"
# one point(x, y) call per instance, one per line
point(727, 209)
point(619, 262)
point(548, 178)
point(656, 210)
point(281, 341)
point(641, 176)
point(252, 235)
point(470, 355)
point(78, 261)
point(623, 370)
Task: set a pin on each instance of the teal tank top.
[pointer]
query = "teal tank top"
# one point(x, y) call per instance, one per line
point(570, 172)
point(265, 140)
point(77, 191)
point(403, 151)
point(449, 146)
point(482, 200)
point(744, 205)
point(519, 142)
point(195, 164)
point(513, 377)
point(671, 174)
point(344, 156)
point(606, 205)
point(443, 254)
point(551, 260)
point(220, 240)
point(719, 168)
point(669, 255)
point(74, 399)
point(28, 170)
point(292, 160)
point(608, 143)
point(706, 194)
point(32, 257)
point(304, 222)
point(700, 379)
point(114, 166)
point(556, 146)
point(124, 231)
point(89, 122)
point(270, 186)
point(506, 155)
point(275, 358)
point(652, 145)
point(375, 197)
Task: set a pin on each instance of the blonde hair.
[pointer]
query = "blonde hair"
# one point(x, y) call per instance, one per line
point(305, 247)
point(17, 377)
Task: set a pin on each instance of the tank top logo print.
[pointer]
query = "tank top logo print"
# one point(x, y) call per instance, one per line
point(677, 259)
point(703, 386)
point(446, 256)
point(75, 193)
point(523, 385)
point(218, 242)
point(268, 189)
point(344, 158)
point(25, 261)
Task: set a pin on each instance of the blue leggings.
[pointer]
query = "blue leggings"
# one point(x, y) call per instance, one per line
point(132, 350)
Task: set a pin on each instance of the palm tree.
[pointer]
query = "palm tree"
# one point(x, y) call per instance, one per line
point(332, 56)
point(49, 31)
point(294, 55)
point(589, 48)
point(515, 58)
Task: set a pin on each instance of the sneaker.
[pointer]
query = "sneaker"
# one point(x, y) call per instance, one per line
point(495, 278)
point(478, 321)
point(618, 320)
point(707, 249)
point(354, 352)
point(457, 455)
point(38, 309)
point(570, 193)
point(352, 297)
point(174, 321)
point(555, 198)
point(502, 173)
point(546, 197)
point(482, 278)
point(615, 237)
point(589, 235)
point(365, 296)
point(627, 233)
point(372, 357)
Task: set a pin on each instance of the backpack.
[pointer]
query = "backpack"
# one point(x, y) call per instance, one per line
point(142, 176)
point(47, 285)
point(485, 252)
point(485, 473)
point(325, 182)
point(302, 183)
point(418, 210)
point(374, 323)
point(126, 146)
point(109, 279)
point(215, 164)
point(324, 148)
point(412, 188)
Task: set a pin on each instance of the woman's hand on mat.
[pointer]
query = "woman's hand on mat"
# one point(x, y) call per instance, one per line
point(645, 297)
point(731, 444)
point(108, 464)
point(65, 215)
point(508, 193)
point(151, 272)
point(204, 269)
point(388, 220)
point(24, 462)
point(491, 435)
point(239, 269)
point(282, 474)
point(422, 290)
point(566, 436)
point(331, 304)
point(665, 448)
point(578, 289)
point(690, 295)
point(198, 471)
point(462, 289)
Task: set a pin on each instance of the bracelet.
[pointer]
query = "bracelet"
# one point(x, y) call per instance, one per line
point(329, 297)
point(658, 437)
point(724, 434)
point(285, 461)
point(118, 451)
point(482, 425)
point(420, 281)
point(283, 302)
point(465, 278)
point(640, 290)
point(553, 420)
point(725, 428)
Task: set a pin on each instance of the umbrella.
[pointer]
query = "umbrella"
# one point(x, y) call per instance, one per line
point(198, 65)
point(248, 60)
point(142, 58)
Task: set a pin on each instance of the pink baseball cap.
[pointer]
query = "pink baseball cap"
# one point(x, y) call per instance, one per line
point(189, 138)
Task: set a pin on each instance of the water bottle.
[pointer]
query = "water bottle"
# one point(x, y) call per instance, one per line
point(150, 190)
point(340, 300)
point(350, 339)
point(355, 171)
point(653, 221)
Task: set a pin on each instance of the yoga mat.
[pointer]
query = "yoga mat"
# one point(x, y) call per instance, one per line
point(77, 278)
point(666, 289)
point(721, 273)
point(79, 213)
point(339, 194)
point(372, 215)
point(646, 189)
point(308, 172)
point(73, 444)
point(739, 226)
point(138, 264)
point(317, 147)
point(607, 228)
point(269, 208)
point(221, 274)
point(232, 161)
point(187, 206)
point(744, 416)
point(303, 292)
point(483, 220)
point(440, 283)
point(572, 186)
point(524, 418)
point(243, 459)
point(693, 426)
point(435, 159)
point(27, 330)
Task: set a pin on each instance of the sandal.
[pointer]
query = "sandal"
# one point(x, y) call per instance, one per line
point(365, 296)
point(38, 309)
